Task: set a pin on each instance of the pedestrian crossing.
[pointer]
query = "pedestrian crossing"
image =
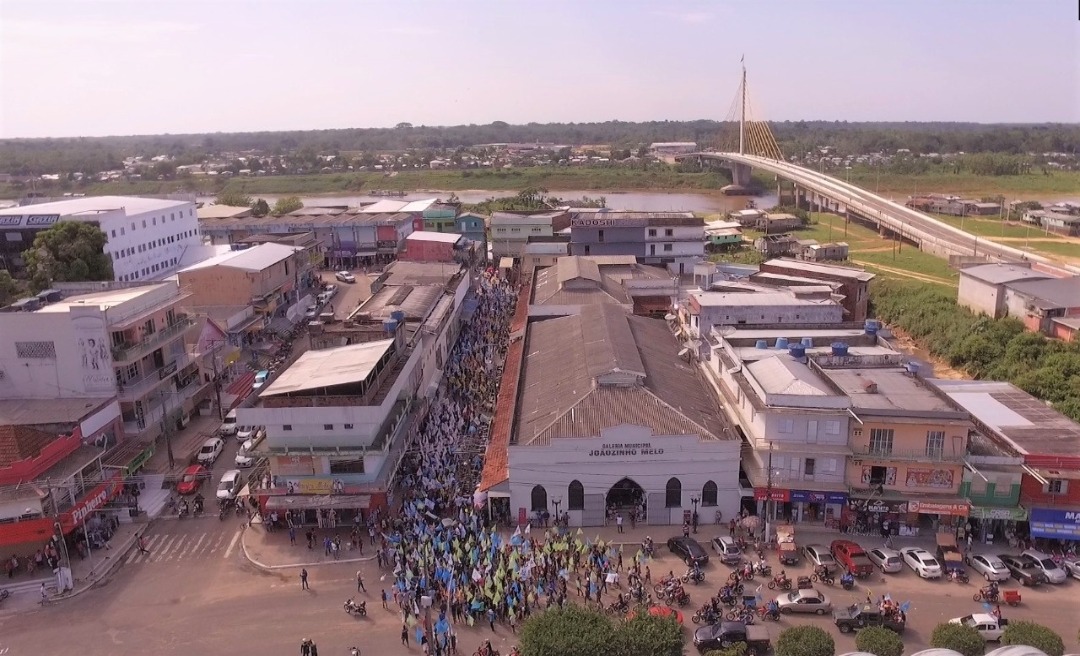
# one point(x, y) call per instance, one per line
point(169, 548)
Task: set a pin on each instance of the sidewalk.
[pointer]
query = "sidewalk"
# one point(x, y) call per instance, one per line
point(184, 443)
point(272, 551)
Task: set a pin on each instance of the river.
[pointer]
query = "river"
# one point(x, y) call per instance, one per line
point(644, 201)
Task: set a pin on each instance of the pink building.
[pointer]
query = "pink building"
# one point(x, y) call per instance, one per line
point(428, 246)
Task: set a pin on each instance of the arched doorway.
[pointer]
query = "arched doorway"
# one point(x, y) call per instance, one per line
point(539, 499)
point(625, 494)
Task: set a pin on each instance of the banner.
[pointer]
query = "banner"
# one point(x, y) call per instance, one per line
point(941, 479)
point(819, 497)
point(775, 494)
point(1011, 514)
point(1055, 523)
point(293, 466)
point(939, 508)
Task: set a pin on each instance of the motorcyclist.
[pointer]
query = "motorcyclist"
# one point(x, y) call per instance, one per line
point(773, 607)
point(781, 577)
point(992, 590)
point(847, 579)
point(762, 566)
point(486, 649)
point(693, 571)
point(199, 503)
point(821, 571)
point(183, 508)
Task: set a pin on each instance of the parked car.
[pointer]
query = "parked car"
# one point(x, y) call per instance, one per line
point(688, 549)
point(729, 552)
point(228, 427)
point(330, 290)
point(1054, 573)
point(312, 312)
point(922, 562)
point(345, 276)
point(989, 567)
point(887, 560)
point(1072, 566)
point(818, 554)
point(856, 617)
point(210, 451)
point(245, 433)
point(243, 456)
point(807, 600)
point(191, 479)
point(851, 557)
point(724, 635)
point(989, 627)
point(230, 485)
point(261, 378)
point(1025, 570)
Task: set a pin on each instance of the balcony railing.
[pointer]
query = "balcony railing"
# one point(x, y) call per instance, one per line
point(131, 352)
point(137, 388)
point(920, 455)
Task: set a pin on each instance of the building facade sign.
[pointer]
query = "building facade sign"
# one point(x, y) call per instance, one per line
point(878, 506)
point(11, 220)
point(1009, 514)
point(939, 508)
point(772, 494)
point(806, 496)
point(599, 222)
point(293, 466)
point(95, 362)
point(1055, 523)
point(92, 502)
point(42, 219)
point(928, 477)
point(620, 450)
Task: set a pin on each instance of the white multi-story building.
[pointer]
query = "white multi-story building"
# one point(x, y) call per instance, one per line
point(147, 237)
point(102, 340)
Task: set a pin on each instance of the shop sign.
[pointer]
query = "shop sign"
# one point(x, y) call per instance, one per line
point(878, 506)
point(293, 466)
point(11, 220)
point(92, 502)
point(818, 497)
point(1055, 523)
point(775, 494)
point(315, 486)
point(939, 508)
point(42, 219)
point(1013, 514)
point(632, 450)
point(941, 479)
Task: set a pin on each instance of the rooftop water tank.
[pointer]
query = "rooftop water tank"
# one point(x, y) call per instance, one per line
point(762, 344)
point(797, 351)
point(872, 326)
point(839, 349)
point(781, 342)
point(398, 316)
point(808, 342)
point(390, 326)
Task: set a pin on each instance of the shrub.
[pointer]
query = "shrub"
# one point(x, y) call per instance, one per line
point(805, 641)
point(1033, 635)
point(958, 637)
point(879, 641)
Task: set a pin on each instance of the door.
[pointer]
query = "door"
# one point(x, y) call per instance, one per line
point(659, 515)
point(811, 431)
point(592, 512)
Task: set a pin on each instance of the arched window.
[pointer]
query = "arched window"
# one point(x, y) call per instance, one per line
point(539, 498)
point(674, 493)
point(575, 496)
point(708, 494)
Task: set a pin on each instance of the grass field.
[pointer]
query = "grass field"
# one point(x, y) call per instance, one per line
point(1034, 186)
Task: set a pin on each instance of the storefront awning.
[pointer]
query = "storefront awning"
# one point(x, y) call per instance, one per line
point(1055, 523)
point(1017, 514)
point(306, 502)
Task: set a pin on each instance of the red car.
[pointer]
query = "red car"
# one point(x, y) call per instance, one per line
point(851, 557)
point(191, 479)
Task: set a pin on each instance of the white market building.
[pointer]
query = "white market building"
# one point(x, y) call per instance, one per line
point(599, 409)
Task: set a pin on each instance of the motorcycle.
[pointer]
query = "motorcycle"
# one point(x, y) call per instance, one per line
point(354, 652)
point(784, 583)
point(4, 594)
point(351, 607)
point(679, 598)
point(619, 607)
point(769, 614)
point(986, 594)
point(745, 615)
point(198, 507)
point(763, 569)
point(825, 578)
point(182, 511)
point(697, 576)
point(958, 576)
point(705, 615)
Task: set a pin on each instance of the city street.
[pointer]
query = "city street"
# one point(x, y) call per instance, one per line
point(195, 593)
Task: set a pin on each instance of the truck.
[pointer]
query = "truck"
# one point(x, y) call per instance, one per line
point(786, 549)
point(852, 557)
point(856, 617)
point(724, 635)
point(988, 626)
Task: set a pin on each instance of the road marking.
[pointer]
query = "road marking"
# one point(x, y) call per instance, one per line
point(179, 547)
point(232, 544)
point(196, 547)
point(168, 545)
point(218, 544)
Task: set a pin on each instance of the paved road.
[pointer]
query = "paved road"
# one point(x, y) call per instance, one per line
point(195, 594)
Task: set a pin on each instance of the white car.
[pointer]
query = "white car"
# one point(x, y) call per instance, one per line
point(1072, 566)
point(989, 567)
point(1054, 573)
point(311, 312)
point(887, 560)
point(345, 276)
point(231, 483)
point(228, 427)
point(243, 456)
point(210, 450)
point(922, 562)
point(245, 433)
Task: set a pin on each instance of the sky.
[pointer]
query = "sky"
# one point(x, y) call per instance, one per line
point(108, 67)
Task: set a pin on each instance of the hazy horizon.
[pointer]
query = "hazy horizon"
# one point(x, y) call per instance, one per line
point(71, 68)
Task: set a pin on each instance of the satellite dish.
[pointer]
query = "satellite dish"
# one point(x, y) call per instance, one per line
point(670, 317)
point(724, 331)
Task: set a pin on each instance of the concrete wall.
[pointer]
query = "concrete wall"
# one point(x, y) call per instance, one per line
point(981, 297)
point(790, 315)
point(223, 285)
point(157, 233)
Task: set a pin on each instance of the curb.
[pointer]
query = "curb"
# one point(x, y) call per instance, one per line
point(106, 568)
point(271, 568)
point(27, 586)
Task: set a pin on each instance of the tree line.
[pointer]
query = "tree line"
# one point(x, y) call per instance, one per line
point(94, 154)
point(985, 348)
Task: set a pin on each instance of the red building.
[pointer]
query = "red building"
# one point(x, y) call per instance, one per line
point(428, 246)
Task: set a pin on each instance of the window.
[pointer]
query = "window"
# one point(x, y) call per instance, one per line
point(144, 223)
point(857, 432)
point(515, 229)
point(539, 498)
point(113, 234)
point(348, 426)
point(287, 427)
point(575, 496)
point(673, 493)
point(787, 426)
point(155, 220)
point(881, 441)
point(808, 466)
point(935, 443)
point(652, 232)
point(668, 232)
point(1003, 486)
point(328, 427)
point(667, 248)
point(708, 494)
point(1056, 486)
point(832, 427)
point(600, 236)
point(347, 466)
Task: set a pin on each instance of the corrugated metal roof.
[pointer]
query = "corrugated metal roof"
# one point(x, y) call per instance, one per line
point(428, 235)
point(568, 268)
point(782, 375)
point(1051, 293)
point(329, 367)
point(256, 258)
point(996, 274)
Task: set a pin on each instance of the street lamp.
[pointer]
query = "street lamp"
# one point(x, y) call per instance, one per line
point(556, 501)
point(694, 500)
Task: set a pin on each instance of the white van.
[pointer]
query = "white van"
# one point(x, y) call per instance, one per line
point(228, 427)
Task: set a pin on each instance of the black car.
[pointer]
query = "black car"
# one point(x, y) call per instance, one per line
point(1024, 569)
point(855, 617)
point(724, 635)
point(689, 550)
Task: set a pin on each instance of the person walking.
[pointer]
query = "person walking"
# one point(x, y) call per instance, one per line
point(405, 634)
point(141, 542)
point(303, 580)
point(314, 649)
point(292, 535)
point(382, 593)
point(305, 647)
point(44, 594)
point(618, 522)
point(360, 581)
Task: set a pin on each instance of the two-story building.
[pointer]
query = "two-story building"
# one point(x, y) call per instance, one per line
point(440, 217)
point(908, 443)
point(336, 422)
point(761, 306)
point(510, 231)
point(675, 240)
point(854, 282)
point(474, 227)
point(428, 246)
point(575, 281)
point(105, 340)
point(982, 287)
point(1047, 442)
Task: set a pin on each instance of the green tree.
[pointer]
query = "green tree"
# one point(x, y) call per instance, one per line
point(68, 251)
point(287, 204)
point(805, 640)
point(879, 641)
point(570, 631)
point(260, 208)
point(964, 639)
point(8, 289)
point(646, 635)
point(738, 650)
point(233, 199)
point(1033, 635)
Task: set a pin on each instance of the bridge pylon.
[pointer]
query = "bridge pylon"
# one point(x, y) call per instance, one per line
point(755, 136)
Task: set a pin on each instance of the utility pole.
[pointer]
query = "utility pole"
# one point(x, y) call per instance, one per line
point(768, 498)
point(165, 430)
point(217, 383)
point(63, 578)
point(742, 114)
